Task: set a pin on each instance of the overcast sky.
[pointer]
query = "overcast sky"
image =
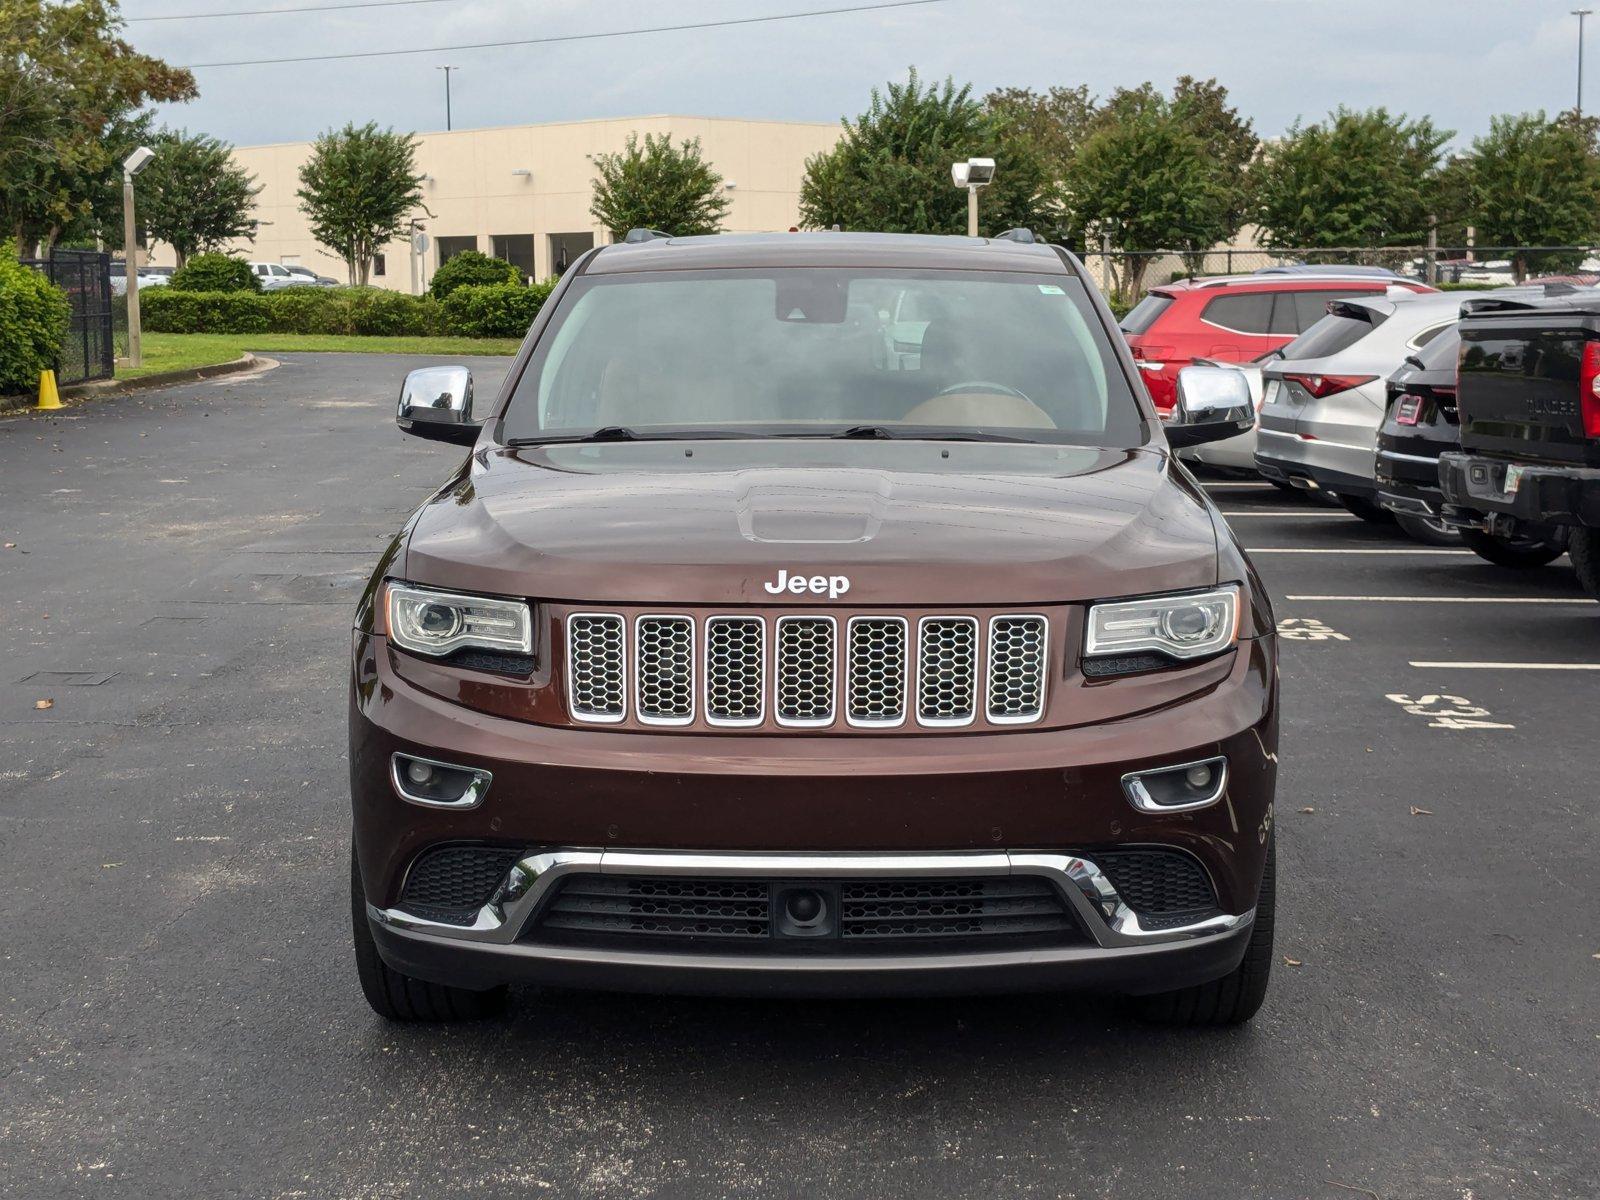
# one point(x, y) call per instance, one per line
point(1456, 60)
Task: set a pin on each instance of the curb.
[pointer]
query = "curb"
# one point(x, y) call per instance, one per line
point(115, 387)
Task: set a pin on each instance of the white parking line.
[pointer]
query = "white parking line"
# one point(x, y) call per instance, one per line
point(1297, 550)
point(1293, 512)
point(1452, 599)
point(1509, 666)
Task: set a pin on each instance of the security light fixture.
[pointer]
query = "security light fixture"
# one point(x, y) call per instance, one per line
point(137, 161)
point(973, 174)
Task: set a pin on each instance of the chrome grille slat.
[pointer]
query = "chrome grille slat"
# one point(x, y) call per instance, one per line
point(736, 670)
point(677, 666)
point(597, 667)
point(947, 670)
point(806, 670)
point(1017, 658)
point(664, 670)
point(875, 671)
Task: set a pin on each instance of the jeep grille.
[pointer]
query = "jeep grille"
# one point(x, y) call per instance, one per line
point(806, 670)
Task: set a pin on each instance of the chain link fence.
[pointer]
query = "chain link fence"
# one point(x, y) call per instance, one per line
point(1126, 275)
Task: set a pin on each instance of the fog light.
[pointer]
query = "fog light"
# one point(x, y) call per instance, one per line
point(436, 784)
point(1179, 788)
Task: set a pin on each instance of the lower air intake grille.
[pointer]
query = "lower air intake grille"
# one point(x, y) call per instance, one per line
point(952, 908)
point(874, 915)
point(662, 908)
point(450, 883)
point(1157, 881)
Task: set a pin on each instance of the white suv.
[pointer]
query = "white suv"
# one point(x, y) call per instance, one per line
point(273, 276)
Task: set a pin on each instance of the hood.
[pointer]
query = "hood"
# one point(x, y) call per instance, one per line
point(907, 523)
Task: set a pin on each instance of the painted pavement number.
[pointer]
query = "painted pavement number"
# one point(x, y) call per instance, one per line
point(1447, 712)
point(1308, 629)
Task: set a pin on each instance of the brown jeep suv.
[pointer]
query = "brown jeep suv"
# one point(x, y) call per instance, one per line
point(816, 614)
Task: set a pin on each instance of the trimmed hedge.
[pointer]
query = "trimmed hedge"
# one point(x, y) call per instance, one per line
point(497, 310)
point(33, 320)
point(471, 268)
point(215, 273)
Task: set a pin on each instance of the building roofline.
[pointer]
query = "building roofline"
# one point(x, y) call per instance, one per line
point(560, 124)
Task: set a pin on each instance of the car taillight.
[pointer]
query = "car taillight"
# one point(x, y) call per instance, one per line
point(1326, 385)
point(1589, 389)
point(1409, 411)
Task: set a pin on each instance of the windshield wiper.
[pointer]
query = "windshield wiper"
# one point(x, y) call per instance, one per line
point(863, 431)
point(923, 433)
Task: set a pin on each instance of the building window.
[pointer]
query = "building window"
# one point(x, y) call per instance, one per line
point(565, 248)
point(449, 247)
point(377, 264)
point(516, 249)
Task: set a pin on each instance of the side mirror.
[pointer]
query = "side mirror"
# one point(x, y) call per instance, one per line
point(436, 403)
point(1213, 403)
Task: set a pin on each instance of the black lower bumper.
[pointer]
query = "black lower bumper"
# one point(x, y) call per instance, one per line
point(1126, 970)
point(1357, 487)
point(1543, 495)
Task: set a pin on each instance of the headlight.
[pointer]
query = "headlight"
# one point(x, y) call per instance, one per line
point(436, 623)
point(1187, 626)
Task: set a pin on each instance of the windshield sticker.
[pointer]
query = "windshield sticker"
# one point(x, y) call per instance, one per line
point(1050, 289)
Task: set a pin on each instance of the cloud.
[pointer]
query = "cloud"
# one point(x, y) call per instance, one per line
point(1455, 60)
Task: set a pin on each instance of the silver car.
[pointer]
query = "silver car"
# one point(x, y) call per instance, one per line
point(1323, 397)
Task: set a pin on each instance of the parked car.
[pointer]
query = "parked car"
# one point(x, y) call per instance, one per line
point(148, 277)
point(1324, 393)
point(1529, 403)
point(309, 278)
point(1233, 319)
point(1419, 423)
point(274, 276)
point(737, 657)
point(1344, 269)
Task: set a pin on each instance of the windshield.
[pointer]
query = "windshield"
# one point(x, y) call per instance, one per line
point(1143, 314)
point(1439, 353)
point(819, 352)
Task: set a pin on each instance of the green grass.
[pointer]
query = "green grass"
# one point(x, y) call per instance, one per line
point(184, 351)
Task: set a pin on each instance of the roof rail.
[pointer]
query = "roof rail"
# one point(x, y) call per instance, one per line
point(636, 236)
point(1024, 236)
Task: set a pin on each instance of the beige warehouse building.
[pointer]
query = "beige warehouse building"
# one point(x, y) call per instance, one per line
point(522, 193)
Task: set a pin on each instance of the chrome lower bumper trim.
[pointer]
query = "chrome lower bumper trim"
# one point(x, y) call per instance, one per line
point(1109, 921)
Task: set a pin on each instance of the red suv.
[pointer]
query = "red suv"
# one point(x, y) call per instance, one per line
point(1233, 319)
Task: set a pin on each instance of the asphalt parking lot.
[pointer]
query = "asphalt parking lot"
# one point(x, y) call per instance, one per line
point(180, 1014)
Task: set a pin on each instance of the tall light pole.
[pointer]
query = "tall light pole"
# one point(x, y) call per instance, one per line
point(1580, 13)
point(447, 71)
point(131, 166)
point(973, 174)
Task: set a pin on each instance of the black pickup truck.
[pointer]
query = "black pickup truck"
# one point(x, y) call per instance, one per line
point(1529, 404)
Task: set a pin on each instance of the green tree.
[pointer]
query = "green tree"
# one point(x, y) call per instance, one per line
point(1147, 180)
point(358, 190)
point(1534, 181)
point(70, 93)
point(657, 185)
point(33, 320)
point(890, 171)
point(193, 196)
point(1055, 122)
point(1361, 179)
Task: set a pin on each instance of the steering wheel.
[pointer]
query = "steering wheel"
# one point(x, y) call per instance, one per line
point(967, 386)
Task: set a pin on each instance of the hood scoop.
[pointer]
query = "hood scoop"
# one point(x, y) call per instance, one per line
point(814, 509)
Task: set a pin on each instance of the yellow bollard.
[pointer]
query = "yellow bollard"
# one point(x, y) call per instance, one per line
point(48, 397)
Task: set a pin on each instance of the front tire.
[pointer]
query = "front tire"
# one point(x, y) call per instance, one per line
point(1584, 547)
point(398, 997)
point(1519, 555)
point(1238, 995)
